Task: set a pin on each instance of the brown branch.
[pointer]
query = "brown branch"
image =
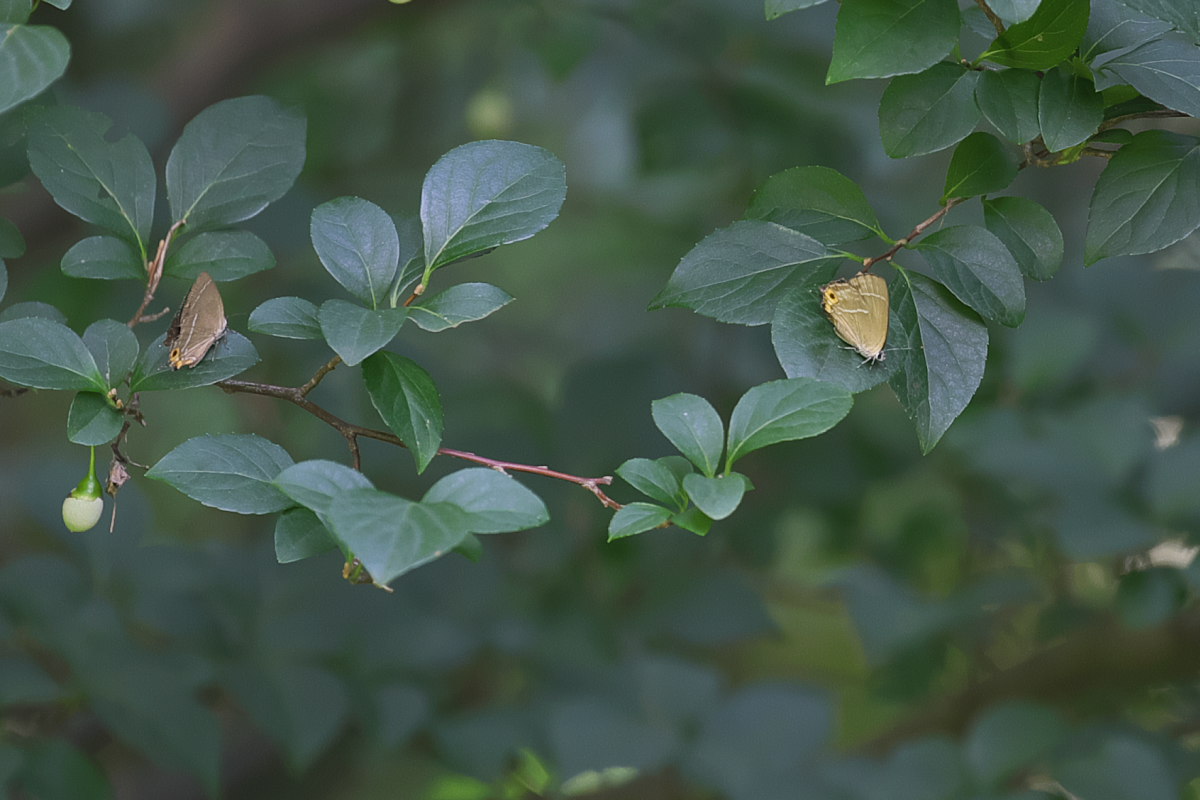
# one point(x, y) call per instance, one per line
point(154, 271)
point(15, 391)
point(1158, 112)
point(921, 227)
point(997, 23)
point(326, 368)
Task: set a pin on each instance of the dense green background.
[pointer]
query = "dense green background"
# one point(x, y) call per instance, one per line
point(665, 651)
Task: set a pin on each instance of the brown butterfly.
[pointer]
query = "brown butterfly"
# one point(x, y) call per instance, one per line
point(858, 309)
point(198, 325)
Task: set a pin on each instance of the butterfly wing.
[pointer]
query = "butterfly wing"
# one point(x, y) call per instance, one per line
point(858, 308)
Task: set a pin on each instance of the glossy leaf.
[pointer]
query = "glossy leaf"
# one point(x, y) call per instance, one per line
point(777, 8)
point(981, 164)
point(943, 348)
point(1008, 100)
point(1165, 70)
point(1045, 39)
point(817, 201)
point(357, 242)
point(1182, 15)
point(232, 472)
point(231, 355)
point(104, 258)
point(313, 484)
point(405, 397)
point(109, 183)
point(976, 266)
point(92, 421)
point(1069, 109)
point(485, 194)
point(33, 308)
point(15, 12)
point(232, 160)
point(635, 518)
point(660, 479)
point(355, 332)
point(693, 426)
point(114, 348)
point(225, 255)
point(299, 534)
point(783, 411)
point(881, 38)
point(1145, 199)
point(492, 502)
point(31, 58)
point(1029, 232)
point(465, 302)
point(927, 112)
point(45, 354)
point(737, 274)
point(1114, 29)
point(287, 318)
point(717, 497)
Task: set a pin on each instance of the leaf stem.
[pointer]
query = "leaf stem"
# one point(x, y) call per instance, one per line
point(920, 228)
point(154, 271)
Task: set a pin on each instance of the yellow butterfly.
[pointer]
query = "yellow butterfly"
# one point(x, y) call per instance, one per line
point(858, 309)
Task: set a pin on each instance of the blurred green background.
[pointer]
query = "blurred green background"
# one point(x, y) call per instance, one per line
point(859, 586)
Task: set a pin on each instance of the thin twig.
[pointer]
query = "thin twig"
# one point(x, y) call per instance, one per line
point(997, 23)
point(921, 227)
point(1158, 112)
point(154, 270)
point(326, 368)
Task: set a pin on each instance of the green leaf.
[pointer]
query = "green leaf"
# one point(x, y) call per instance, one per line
point(816, 201)
point(693, 426)
point(807, 347)
point(693, 520)
point(465, 302)
point(981, 164)
point(635, 518)
point(1145, 199)
point(313, 484)
point(717, 497)
point(1010, 737)
point(1182, 15)
point(231, 355)
point(1043, 40)
point(491, 501)
point(15, 11)
point(1029, 232)
point(1165, 70)
point(976, 266)
point(660, 479)
point(737, 274)
point(92, 421)
point(45, 354)
point(24, 682)
point(391, 535)
point(54, 770)
point(299, 534)
point(1069, 109)
point(485, 194)
point(109, 183)
point(114, 348)
point(777, 8)
point(355, 332)
point(3, 279)
point(1114, 29)
point(1148, 598)
point(31, 58)
point(881, 38)
point(231, 472)
point(33, 308)
point(405, 397)
point(924, 113)
point(782, 411)
point(232, 160)
point(1118, 768)
point(943, 348)
point(225, 255)
point(357, 242)
point(1009, 101)
point(104, 258)
point(287, 318)
point(12, 243)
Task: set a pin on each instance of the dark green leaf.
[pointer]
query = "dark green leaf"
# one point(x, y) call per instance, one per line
point(693, 520)
point(25, 682)
point(1029, 232)
point(492, 502)
point(782, 411)
point(104, 258)
point(355, 332)
point(114, 347)
point(12, 243)
point(1145, 199)
point(1119, 768)
point(391, 535)
point(485, 194)
point(287, 318)
point(54, 770)
point(92, 420)
point(358, 244)
point(405, 397)
point(232, 472)
point(31, 58)
point(1069, 109)
point(693, 426)
point(109, 183)
point(1150, 597)
point(976, 266)
point(1010, 737)
point(943, 356)
point(1009, 101)
point(465, 302)
point(634, 518)
point(924, 113)
point(231, 355)
point(717, 497)
point(777, 8)
point(33, 308)
point(232, 160)
point(1114, 29)
point(881, 38)
point(1182, 15)
point(313, 484)
point(737, 274)
point(299, 534)
point(45, 354)
point(660, 479)
point(981, 164)
point(929, 767)
point(1165, 70)
point(817, 201)
point(225, 255)
point(1043, 40)
point(15, 12)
